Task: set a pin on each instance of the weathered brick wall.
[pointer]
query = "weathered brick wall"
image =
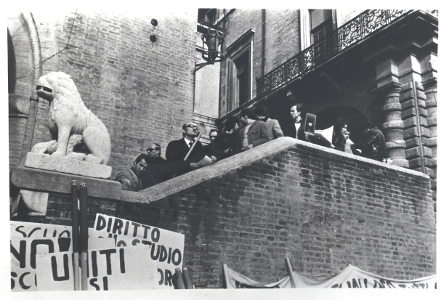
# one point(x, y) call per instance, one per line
point(321, 208)
point(282, 37)
point(142, 91)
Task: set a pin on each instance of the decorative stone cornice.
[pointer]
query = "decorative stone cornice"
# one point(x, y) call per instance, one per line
point(431, 82)
point(392, 87)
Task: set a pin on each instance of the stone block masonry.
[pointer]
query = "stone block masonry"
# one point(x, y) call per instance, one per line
point(322, 208)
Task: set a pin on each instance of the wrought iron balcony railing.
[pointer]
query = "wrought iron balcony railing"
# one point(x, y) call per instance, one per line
point(342, 38)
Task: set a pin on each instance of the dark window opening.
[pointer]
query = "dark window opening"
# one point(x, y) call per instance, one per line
point(322, 33)
point(243, 78)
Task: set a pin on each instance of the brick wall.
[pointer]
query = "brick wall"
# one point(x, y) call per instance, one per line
point(142, 91)
point(321, 208)
point(280, 40)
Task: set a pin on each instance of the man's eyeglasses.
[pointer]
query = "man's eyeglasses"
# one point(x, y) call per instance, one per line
point(192, 126)
point(153, 149)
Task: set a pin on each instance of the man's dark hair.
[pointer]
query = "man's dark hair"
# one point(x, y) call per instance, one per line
point(340, 123)
point(364, 125)
point(230, 123)
point(247, 112)
point(299, 105)
point(141, 157)
point(261, 111)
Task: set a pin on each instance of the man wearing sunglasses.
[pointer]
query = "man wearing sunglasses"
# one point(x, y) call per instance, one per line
point(155, 172)
point(177, 150)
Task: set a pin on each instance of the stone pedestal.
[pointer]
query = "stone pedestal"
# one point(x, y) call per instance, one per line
point(64, 165)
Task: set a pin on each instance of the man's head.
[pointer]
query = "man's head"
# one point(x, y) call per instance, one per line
point(232, 124)
point(247, 116)
point(154, 151)
point(296, 111)
point(139, 164)
point(364, 127)
point(261, 113)
point(190, 130)
point(213, 134)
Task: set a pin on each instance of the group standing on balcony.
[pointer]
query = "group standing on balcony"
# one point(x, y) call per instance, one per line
point(252, 128)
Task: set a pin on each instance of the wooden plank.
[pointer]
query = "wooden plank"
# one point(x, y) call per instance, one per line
point(61, 183)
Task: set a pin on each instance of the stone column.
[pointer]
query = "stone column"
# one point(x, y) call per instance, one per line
point(388, 92)
point(393, 125)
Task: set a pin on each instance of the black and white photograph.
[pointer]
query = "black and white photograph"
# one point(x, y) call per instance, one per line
point(230, 150)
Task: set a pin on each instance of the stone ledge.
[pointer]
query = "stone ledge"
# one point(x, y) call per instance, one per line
point(193, 178)
point(135, 197)
point(43, 180)
point(64, 165)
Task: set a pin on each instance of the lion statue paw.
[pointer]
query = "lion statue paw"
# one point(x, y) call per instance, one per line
point(76, 132)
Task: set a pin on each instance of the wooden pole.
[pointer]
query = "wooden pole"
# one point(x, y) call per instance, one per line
point(75, 234)
point(178, 279)
point(193, 146)
point(187, 278)
point(289, 271)
point(190, 150)
point(83, 237)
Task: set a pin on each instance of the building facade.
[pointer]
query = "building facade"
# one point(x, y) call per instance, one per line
point(374, 65)
point(321, 208)
point(135, 76)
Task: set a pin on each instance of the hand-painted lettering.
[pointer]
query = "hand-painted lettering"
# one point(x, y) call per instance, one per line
point(118, 224)
point(21, 254)
point(66, 274)
point(108, 253)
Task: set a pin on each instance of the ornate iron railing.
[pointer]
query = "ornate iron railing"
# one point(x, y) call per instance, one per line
point(342, 38)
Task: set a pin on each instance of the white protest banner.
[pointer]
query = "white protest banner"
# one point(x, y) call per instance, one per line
point(165, 246)
point(123, 268)
point(349, 277)
point(30, 239)
point(29, 229)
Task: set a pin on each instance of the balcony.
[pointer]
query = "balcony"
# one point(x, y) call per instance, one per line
point(343, 38)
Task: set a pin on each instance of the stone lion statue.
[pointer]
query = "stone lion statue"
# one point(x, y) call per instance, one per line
point(72, 125)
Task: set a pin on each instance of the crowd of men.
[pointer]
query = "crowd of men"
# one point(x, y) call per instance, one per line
point(253, 127)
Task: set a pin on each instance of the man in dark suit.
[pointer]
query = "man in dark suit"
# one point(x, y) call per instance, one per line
point(215, 149)
point(177, 150)
point(156, 169)
point(297, 114)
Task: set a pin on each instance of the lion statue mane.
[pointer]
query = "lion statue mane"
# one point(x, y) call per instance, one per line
point(71, 124)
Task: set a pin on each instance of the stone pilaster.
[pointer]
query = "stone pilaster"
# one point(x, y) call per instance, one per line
point(430, 86)
point(428, 66)
point(416, 133)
